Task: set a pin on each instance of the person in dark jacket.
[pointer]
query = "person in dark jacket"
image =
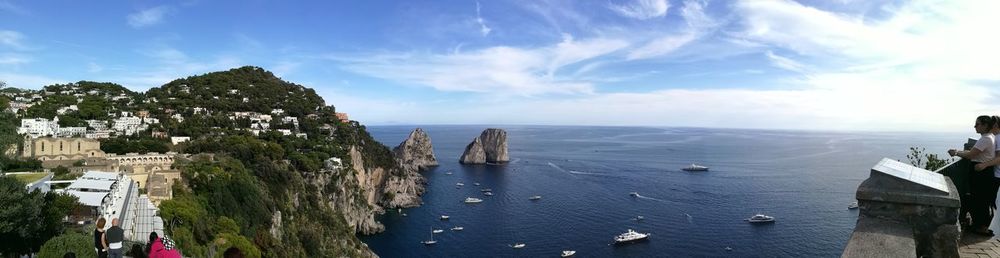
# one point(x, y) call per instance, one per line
point(102, 248)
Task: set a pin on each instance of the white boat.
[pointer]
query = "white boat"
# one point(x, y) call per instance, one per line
point(518, 245)
point(694, 167)
point(457, 229)
point(404, 214)
point(477, 184)
point(630, 236)
point(634, 194)
point(567, 253)
point(448, 173)
point(473, 200)
point(853, 205)
point(437, 231)
point(488, 193)
point(760, 218)
point(729, 248)
point(485, 190)
point(444, 217)
point(429, 242)
point(639, 218)
point(535, 198)
point(459, 184)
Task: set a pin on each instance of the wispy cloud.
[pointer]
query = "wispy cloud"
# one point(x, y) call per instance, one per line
point(698, 24)
point(784, 62)
point(8, 7)
point(94, 67)
point(642, 9)
point(496, 70)
point(12, 39)
point(13, 59)
point(27, 81)
point(148, 17)
point(482, 24)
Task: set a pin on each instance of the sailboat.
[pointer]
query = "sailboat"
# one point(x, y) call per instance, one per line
point(432, 241)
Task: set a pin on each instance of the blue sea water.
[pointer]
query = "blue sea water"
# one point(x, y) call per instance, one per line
point(805, 179)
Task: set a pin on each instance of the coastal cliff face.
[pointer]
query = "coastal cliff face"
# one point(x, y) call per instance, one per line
point(489, 148)
point(416, 150)
point(338, 182)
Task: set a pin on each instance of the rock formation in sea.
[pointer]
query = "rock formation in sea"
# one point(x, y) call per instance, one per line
point(489, 148)
point(416, 150)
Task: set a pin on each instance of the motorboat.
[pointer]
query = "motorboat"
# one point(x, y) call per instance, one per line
point(473, 200)
point(760, 218)
point(634, 194)
point(535, 198)
point(488, 193)
point(485, 190)
point(457, 229)
point(477, 184)
point(447, 173)
point(694, 167)
point(567, 253)
point(437, 231)
point(639, 218)
point(729, 248)
point(630, 236)
point(853, 205)
point(444, 217)
point(518, 245)
point(459, 184)
point(429, 242)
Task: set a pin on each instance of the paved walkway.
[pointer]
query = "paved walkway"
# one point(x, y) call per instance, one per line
point(973, 245)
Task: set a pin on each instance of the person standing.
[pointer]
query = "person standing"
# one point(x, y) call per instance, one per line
point(99, 244)
point(982, 182)
point(996, 169)
point(114, 237)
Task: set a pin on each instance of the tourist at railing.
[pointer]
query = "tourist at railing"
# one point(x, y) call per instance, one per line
point(980, 183)
point(996, 169)
point(99, 244)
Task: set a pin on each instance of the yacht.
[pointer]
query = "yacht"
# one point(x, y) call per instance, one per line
point(535, 198)
point(694, 167)
point(634, 194)
point(485, 190)
point(760, 218)
point(729, 248)
point(567, 253)
point(477, 184)
point(457, 229)
point(444, 217)
point(459, 184)
point(473, 200)
point(639, 218)
point(630, 236)
point(488, 193)
point(448, 173)
point(853, 205)
point(518, 245)
point(437, 231)
point(429, 242)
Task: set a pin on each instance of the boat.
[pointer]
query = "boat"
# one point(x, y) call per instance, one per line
point(459, 184)
point(729, 248)
point(444, 217)
point(694, 167)
point(535, 198)
point(473, 200)
point(437, 231)
point(429, 242)
point(760, 218)
point(477, 184)
point(457, 229)
point(630, 236)
point(448, 173)
point(404, 214)
point(639, 218)
point(488, 193)
point(485, 190)
point(853, 205)
point(518, 245)
point(567, 253)
point(634, 194)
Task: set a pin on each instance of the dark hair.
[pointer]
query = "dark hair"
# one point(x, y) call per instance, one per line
point(152, 236)
point(137, 251)
point(100, 223)
point(233, 252)
point(996, 121)
point(988, 121)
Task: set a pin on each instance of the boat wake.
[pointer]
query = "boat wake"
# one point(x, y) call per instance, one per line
point(689, 218)
point(650, 198)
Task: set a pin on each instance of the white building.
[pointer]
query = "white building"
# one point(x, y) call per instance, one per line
point(97, 124)
point(179, 139)
point(98, 134)
point(277, 111)
point(64, 110)
point(38, 127)
point(128, 125)
point(71, 131)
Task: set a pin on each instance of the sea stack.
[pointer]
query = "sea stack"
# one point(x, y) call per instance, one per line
point(489, 148)
point(416, 150)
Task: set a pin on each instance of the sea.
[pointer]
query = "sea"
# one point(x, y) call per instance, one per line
point(585, 174)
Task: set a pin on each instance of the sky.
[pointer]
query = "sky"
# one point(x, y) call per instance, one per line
point(778, 64)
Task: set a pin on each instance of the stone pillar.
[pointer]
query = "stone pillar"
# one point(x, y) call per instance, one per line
point(926, 202)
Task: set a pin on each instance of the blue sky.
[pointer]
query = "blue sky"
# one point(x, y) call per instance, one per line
point(832, 65)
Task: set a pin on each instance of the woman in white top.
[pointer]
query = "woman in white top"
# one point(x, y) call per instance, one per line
point(996, 169)
point(982, 183)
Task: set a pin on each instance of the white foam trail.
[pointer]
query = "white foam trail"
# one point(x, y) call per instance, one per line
point(690, 219)
point(556, 167)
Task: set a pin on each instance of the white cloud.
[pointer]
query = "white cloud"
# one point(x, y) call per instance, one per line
point(698, 25)
point(12, 39)
point(642, 9)
point(785, 63)
point(148, 17)
point(13, 59)
point(94, 67)
point(28, 81)
point(482, 24)
point(496, 70)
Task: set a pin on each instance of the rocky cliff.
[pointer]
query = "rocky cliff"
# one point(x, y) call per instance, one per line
point(416, 150)
point(489, 148)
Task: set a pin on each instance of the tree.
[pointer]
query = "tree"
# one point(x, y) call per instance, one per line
point(80, 244)
point(917, 158)
point(19, 223)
